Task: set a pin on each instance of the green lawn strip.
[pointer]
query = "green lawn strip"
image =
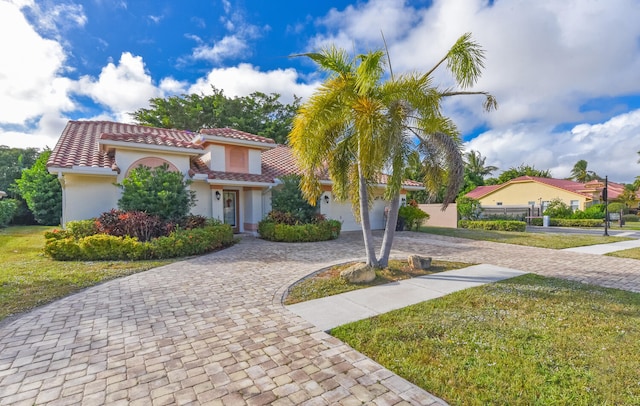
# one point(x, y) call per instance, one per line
point(29, 279)
point(328, 282)
point(540, 240)
point(633, 253)
point(522, 341)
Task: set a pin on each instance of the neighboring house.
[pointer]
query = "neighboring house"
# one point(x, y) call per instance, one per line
point(536, 193)
point(232, 172)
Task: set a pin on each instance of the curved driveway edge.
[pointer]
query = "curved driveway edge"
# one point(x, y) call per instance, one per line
point(212, 330)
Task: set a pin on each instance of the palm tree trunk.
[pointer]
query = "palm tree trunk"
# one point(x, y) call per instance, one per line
point(389, 231)
point(366, 222)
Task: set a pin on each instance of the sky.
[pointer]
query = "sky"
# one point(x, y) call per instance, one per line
point(566, 74)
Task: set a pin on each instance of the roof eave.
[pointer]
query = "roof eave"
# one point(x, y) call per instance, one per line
point(82, 170)
point(150, 147)
point(215, 139)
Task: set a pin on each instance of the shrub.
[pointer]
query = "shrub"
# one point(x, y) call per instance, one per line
point(499, 225)
point(569, 222)
point(595, 211)
point(281, 217)
point(82, 228)
point(193, 221)
point(468, 208)
point(321, 231)
point(412, 216)
point(157, 191)
point(288, 198)
point(558, 209)
point(633, 218)
point(63, 247)
point(8, 208)
point(615, 207)
point(136, 224)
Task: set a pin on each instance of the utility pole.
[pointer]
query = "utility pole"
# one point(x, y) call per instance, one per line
point(605, 193)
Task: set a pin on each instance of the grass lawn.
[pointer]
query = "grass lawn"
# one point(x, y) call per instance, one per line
point(524, 341)
point(633, 253)
point(541, 240)
point(29, 279)
point(328, 282)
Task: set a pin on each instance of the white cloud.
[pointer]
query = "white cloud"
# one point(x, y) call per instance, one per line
point(245, 79)
point(228, 47)
point(610, 148)
point(122, 88)
point(544, 60)
point(28, 84)
point(365, 23)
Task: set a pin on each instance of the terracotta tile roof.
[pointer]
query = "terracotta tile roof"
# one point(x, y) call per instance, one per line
point(279, 161)
point(236, 134)
point(585, 189)
point(79, 143)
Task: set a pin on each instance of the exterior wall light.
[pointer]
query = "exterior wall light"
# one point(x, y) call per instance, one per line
point(326, 199)
point(218, 195)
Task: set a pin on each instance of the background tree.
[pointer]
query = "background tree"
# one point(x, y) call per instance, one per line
point(579, 173)
point(628, 197)
point(157, 191)
point(42, 191)
point(475, 171)
point(259, 113)
point(12, 162)
point(359, 124)
point(522, 170)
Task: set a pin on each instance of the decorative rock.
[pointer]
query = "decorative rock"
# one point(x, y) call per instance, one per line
point(419, 262)
point(358, 273)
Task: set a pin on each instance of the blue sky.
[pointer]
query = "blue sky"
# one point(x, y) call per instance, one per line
point(566, 73)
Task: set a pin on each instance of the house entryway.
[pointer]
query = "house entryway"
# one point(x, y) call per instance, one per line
point(231, 209)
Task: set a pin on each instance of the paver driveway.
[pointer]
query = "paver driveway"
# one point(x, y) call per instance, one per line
point(212, 330)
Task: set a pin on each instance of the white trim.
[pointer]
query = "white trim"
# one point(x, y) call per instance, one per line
point(200, 176)
point(83, 170)
point(234, 141)
point(150, 147)
point(239, 183)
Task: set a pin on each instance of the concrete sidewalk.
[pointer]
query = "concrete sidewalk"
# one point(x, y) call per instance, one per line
point(332, 311)
point(601, 249)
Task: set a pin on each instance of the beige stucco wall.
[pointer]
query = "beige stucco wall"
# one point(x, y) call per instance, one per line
point(439, 218)
point(255, 161)
point(252, 204)
point(523, 193)
point(203, 198)
point(125, 158)
point(86, 196)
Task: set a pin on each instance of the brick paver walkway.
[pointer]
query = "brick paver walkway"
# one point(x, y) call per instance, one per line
point(212, 330)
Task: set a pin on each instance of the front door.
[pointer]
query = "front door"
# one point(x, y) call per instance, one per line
point(231, 209)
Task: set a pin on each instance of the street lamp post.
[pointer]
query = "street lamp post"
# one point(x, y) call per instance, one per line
point(605, 193)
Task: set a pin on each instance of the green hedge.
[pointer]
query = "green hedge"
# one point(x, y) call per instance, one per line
point(61, 245)
point(569, 222)
point(322, 231)
point(499, 225)
point(633, 218)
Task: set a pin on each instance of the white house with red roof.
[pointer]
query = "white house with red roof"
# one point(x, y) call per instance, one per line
point(538, 192)
point(232, 172)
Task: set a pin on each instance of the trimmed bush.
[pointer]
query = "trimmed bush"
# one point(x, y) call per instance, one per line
point(8, 208)
point(633, 218)
point(558, 209)
point(569, 222)
point(82, 228)
point(321, 231)
point(412, 217)
point(498, 225)
point(61, 246)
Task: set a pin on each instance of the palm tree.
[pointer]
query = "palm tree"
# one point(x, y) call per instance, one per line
point(475, 164)
point(579, 173)
point(357, 124)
